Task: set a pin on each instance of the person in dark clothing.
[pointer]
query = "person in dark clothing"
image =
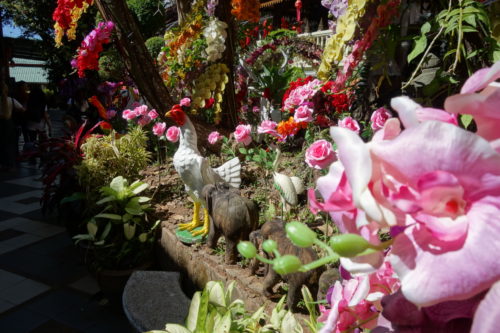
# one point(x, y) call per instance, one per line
point(8, 135)
point(21, 94)
point(36, 115)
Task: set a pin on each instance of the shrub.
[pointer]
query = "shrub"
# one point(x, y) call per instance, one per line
point(106, 157)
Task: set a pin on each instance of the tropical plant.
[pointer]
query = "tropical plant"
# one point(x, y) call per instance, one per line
point(212, 311)
point(112, 155)
point(121, 233)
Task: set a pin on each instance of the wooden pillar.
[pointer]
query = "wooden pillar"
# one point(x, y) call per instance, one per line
point(135, 54)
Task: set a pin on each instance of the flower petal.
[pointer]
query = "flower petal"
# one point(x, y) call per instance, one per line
point(480, 79)
point(432, 271)
point(487, 316)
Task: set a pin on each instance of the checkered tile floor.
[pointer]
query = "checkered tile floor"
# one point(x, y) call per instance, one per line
point(44, 287)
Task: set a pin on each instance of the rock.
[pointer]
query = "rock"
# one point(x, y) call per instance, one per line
point(152, 299)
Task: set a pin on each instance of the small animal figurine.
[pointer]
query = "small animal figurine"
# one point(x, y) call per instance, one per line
point(231, 216)
point(275, 230)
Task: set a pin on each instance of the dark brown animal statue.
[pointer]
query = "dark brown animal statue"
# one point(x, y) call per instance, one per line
point(231, 216)
point(275, 230)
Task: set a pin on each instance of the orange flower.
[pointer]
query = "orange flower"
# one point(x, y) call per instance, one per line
point(246, 10)
point(290, 127)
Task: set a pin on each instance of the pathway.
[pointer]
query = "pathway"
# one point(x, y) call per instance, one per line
point(44, 287)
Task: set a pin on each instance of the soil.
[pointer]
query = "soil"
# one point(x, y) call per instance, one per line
point(171, 205)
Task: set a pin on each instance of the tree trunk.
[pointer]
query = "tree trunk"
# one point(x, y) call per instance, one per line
point(229, 112)
point(4, 62)
point(182, 10)
point(135, 54)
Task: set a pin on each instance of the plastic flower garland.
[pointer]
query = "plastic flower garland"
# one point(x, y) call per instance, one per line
point(246, 10)
point(66, 16)
point(210, 84)
point(91, 47)
point(335, 45)
point(215, 34)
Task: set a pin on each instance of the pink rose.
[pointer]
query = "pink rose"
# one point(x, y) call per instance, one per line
point(145, 120)
point(243, 134)
point(267, 127)
point(303, 113)
point(141, 110)
point(153, 114)
point(214, 137)
point(159, 129)
point(379, 117)
point(129, 114)
point(173, 133)
point(349, 123)
point(186, 101)
point(320, 154)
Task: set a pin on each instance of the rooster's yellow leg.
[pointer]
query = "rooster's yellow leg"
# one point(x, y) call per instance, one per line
point(206, 224)
point(195, 222)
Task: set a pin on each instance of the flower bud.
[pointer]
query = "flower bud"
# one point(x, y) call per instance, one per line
point(300, 234)
point(269, 245)
point(348, 245)
point(247, 249)
point(286, 264)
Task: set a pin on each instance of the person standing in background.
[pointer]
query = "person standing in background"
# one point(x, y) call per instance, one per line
point(21, 94)
point(8, 134)
point(37, 116)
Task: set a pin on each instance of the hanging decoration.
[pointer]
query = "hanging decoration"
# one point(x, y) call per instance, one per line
point(91, 47)
point(298, 7)
point(66, 16)
point(215, 34)
point(246, 10)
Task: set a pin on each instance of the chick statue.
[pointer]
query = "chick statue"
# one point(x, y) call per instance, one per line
point(195, 170)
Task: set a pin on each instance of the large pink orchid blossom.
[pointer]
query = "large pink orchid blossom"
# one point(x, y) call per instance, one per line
point(483, 106)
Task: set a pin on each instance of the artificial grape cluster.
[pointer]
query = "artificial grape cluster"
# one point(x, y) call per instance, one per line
point(215, 34)
point(210, 84)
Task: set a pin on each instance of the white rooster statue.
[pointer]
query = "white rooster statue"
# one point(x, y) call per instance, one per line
point(195, 170)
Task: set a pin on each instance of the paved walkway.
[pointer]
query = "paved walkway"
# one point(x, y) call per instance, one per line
point(44, 287)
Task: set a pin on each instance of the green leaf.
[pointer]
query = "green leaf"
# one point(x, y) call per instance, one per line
point(74, 197)
point(92, 229)
point(257, 158)
point(466, 120)
point(216, 294)
point(426, 27)
point(173, 328)
point(106, 199)
point(243, 151)
point(129, 230)
point(192, 317)
point(223, 325)
point(420, 45)
point(143, 199)
point(118, 184)
point(106, 231)
point(202, 312)
point(109, 216)
point(140, 188)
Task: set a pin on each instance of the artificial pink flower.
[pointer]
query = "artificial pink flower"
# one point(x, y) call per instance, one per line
point(267, 127)
point(441, 183)
point(482, 106)
point(159, 129)
point(243, 134)
point(129, 114)
point(303, 114)
point(411, 113)
point(379, 117)
point(487, 315)
point(214, 137)
point(173, 133)
point(320, 154)
point(349, 123)
point(141, 110)
point(186, 101)
point(144, 120)
point(153, 114)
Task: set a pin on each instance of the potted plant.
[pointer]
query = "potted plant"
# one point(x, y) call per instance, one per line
point(120, 238)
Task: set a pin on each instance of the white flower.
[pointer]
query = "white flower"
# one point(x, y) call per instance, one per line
point(215, 34)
